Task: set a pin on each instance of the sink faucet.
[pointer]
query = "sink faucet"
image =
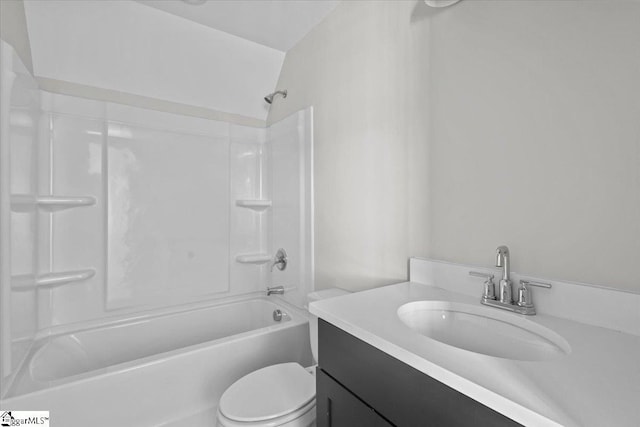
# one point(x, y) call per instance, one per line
point(524, 305)
point(502, 260)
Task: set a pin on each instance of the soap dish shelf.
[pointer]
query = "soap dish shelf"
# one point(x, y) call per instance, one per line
point(28, 202)
point(253, 258)
point(26, 282)
point(256, 205)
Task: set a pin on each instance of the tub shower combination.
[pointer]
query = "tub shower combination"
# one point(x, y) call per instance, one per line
point(136, 251)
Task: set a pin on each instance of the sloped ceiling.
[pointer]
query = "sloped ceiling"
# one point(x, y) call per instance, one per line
point(129, 47)
point(279, 24)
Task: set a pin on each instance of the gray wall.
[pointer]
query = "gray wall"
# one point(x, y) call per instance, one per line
point(446, 132)
point(365, 71)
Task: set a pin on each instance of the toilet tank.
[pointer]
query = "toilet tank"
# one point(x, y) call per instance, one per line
point(313, 320)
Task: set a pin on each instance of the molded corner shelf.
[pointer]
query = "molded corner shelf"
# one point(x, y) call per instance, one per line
point(253, 258)
point(26, 282)
point(256, 205)
point(27, 202)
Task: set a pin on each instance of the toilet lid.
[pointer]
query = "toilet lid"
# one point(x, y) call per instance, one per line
point(268, 393)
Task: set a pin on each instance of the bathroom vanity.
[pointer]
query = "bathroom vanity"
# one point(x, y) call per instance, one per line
point(426, 352)
point(359, 385)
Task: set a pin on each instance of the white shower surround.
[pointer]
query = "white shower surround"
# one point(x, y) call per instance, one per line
point(167, 186)
point(153, 214)
point(20, 103)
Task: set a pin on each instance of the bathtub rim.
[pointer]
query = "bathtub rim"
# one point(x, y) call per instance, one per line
point(151, 313)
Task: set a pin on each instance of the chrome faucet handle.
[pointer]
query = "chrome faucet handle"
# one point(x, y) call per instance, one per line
point(524, 293)
point(481, 274)
point(489, 292)
point(280, 260)
point(538, 284)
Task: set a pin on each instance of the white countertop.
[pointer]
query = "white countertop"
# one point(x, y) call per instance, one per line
point(597, 384)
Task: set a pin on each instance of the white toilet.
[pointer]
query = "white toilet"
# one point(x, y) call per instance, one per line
point(282, 395)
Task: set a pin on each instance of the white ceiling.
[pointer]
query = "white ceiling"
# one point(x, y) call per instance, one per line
point(279, 24)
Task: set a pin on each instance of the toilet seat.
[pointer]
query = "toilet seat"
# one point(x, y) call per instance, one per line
point(304, 417)
point(271, 396)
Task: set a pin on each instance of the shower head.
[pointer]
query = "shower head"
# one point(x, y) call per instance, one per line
point(269, 98)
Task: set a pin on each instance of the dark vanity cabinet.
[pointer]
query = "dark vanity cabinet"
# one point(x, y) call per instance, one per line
point(359, 385)
point(337, 406)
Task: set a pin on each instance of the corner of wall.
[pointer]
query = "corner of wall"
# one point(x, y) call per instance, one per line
point(13, 29)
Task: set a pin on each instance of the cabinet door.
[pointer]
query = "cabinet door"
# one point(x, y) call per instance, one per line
point(403, 395)
point(338, 407)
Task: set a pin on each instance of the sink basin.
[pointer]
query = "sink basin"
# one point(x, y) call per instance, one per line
point(483, 330)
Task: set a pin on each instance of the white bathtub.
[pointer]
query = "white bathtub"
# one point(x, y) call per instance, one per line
point(157, 370)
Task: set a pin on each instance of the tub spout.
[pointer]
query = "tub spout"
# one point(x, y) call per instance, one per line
point(278, 290)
